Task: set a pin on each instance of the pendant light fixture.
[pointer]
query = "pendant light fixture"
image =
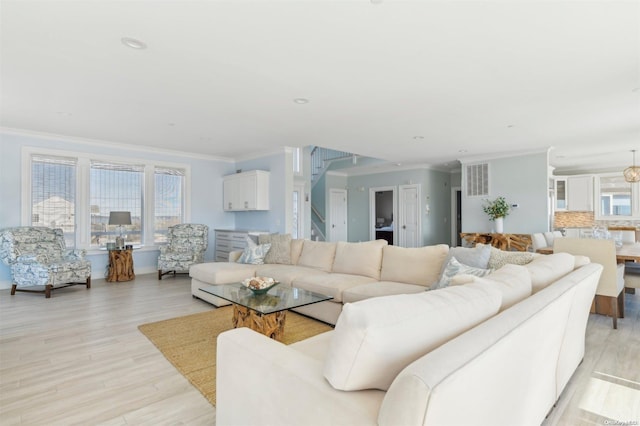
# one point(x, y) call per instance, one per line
point(632, 174)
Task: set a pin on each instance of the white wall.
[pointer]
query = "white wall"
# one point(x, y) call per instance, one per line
point(522, 180)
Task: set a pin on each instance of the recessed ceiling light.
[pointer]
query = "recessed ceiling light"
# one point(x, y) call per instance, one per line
point(301, 100)
point(133, 43)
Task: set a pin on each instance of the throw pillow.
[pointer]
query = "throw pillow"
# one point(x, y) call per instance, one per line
point(477, 256)
point(254, 254)
point(453, 268)
point(499, 258)
point(376, 338)
point(280, 251)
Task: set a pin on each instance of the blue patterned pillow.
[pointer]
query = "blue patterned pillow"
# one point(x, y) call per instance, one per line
point(454, 267)
point(254, 254)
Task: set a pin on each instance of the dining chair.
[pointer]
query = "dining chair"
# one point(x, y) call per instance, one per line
point(611, 282)
point(632, 276)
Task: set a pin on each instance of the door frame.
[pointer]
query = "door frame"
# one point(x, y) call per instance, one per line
point(454, 218)
point(372, 211)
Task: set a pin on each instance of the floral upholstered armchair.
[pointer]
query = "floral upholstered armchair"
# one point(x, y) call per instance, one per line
point(186, 244)
point(38, 257)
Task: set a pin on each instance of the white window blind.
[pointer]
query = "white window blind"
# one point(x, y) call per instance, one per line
point(53, 194)
point(115, 187)
point(169, 200)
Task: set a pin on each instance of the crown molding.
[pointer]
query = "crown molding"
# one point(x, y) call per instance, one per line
point(501, 155)
point(111, 145)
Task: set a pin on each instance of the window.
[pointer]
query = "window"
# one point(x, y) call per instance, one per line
point(615, 196)
point(53, 194)
point(115, 187)
point(77, 191)
point(169, 206)
point(297, 161)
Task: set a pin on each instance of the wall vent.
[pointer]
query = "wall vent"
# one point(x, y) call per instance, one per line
point(477, 180)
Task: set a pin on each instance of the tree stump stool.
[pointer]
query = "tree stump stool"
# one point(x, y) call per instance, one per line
point(120, 266)
point(271, 325)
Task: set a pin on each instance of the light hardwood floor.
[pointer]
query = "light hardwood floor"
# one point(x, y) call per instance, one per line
point(78, 358)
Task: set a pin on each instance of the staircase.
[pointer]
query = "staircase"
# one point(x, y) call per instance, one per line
point(321, 159)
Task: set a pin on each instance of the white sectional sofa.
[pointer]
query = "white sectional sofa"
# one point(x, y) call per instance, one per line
point(346, 271)
point(496, 350)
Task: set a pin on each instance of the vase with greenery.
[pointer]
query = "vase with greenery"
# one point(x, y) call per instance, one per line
point(497, 210)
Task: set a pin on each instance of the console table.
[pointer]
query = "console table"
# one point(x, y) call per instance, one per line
point(120, 265)
point(508, 242)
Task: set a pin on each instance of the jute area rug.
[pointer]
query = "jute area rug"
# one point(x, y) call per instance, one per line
point(189, 342)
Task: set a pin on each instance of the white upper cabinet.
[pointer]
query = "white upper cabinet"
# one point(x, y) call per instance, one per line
point(246, 191)
point(580, 193)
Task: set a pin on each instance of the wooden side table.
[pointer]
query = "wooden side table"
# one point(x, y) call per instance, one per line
point(120, 265)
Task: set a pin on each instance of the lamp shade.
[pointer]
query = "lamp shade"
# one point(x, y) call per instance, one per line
point(120, 218)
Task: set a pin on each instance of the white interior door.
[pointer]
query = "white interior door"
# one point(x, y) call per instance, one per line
point(337, 215)
point(409, 229)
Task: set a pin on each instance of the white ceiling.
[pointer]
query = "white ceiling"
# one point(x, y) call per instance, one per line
point(423, 82)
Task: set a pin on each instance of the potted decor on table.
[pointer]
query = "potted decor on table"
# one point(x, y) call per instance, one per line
point(497, 210)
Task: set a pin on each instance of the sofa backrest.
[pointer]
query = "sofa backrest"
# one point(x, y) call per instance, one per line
point(490, 366)
point(548, 268)
point(359, 258)
point(421, 266)
point(317, 255)
point(33, 240)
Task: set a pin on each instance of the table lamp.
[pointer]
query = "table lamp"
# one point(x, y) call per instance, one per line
point(120, 219)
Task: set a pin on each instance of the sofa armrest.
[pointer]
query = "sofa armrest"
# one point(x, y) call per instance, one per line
point(262, 381)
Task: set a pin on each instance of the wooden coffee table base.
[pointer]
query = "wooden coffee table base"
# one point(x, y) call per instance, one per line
point(271, 325)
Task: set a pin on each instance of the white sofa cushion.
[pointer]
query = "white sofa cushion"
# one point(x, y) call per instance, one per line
point(376, 338)
point(513, 281)
point(286, 273)
point(296, 250)
point(359, 258)
point(377, 289)
point(548, 268)
point(221, 272)
point(413, 265)
point(330, 284)
point(318, 255)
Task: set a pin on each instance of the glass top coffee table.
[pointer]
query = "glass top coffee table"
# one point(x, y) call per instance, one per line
point(264, 313)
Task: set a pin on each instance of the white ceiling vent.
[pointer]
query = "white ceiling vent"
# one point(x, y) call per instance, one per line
point(477, 180)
